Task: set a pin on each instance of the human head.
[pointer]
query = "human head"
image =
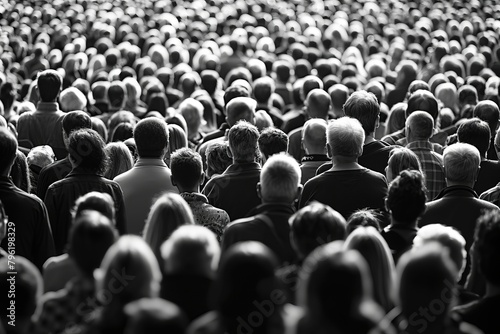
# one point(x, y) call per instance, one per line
point(401, 158)
point(40, 156)
point(167, 213)
point(419, 126)
point(240, 108)
point(370, 244)
point(117, 95)
point(339, 94)
point(406, 197)
point(72, 99)
point(90, 237)
point(49, 85)
point(233, 92)
point(489, 112)
point(95, 201)
point(86, 151)
point(449, 238)
point(363, 218)
point(364, 107)
point(133, 259)
point(243, 142)
point(154, 315)
point(272, 141)
point(280, 180)
point(263, 88)
point(28, 289)
point(187, 169)
point(191, 250)
point(486, 246)
point(120, 159)
point(318, 104)
point(477, 133)
point(151, 138)
point(75, 120)
point(423, 100)
point(345, 137)
point(447, 94)
point(314, 136)
point(314, 225)
point(461, 164)
point(397, 118)
point(192, 111)
point(217, 158)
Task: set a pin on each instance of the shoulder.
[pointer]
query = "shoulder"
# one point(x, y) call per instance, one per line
point(208, 323)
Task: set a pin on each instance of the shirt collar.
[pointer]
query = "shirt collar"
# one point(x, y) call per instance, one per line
point(420, 144)
point(315, 157)
point(243, 166)
point(48, 106)
point(461, 191)
point(150, 162)
point(194, 197)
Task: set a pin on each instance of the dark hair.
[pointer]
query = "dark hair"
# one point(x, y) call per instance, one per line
point(406, 196)
point(122, 132)
point(49, 85)
point(20, 172)
point(365, 108)
point(234, 91)
point(8, 148)
point(117, 94)
point(363, 218)
point(186, 166)
point(151, 137)
point(422, 100)
point(272, 141)
point(75, 120)
point(475, 132)
point(487, 246)
point(489, 112)
point(95, 201)
point(86, 149)
point(91, 236)
point(217, 158)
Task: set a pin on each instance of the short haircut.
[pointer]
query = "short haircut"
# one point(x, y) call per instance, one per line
point(364, 107)
point(339, 94)
point(217, 158)
point(151, 137)
point(448, 237)
point(314, 134)
point(8, 148)
point(234, 92)
point(243, 141)
point(421, 125)
point(475, 132)
point(263, 88)
point(280, 178)
point(487, 246)
point(489, 112)
point(117, 95)
point(402, 158)
point(75, 120)
point(272, 141)
point(95, 201)
point(406, 196)
point(314, 225)
point(186, 166)
point(191, 250)
point(417, 85)
point(461, 163)
point(467, 94)
point(49, 85)
point(346, 137)
point(240, 108)
point(91, 235)
point(318, 103)
point(422, 100)
point(86, 149)
point(72, 99)
point(363, 218)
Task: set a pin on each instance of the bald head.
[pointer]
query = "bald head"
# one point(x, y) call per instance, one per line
point(314, 136)
point(318, 104)
point(419, 126)
point(240, 108)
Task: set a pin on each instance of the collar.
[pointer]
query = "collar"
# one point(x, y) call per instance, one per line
point(420, 144)
point(315, 157)
point(48, 106)
point(242, 166)
point(194, 197)
point(457, 191)
point(150, 162)
point(273, 207)
point(6, 180)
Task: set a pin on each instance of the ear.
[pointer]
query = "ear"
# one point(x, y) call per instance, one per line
point(229, 153)
point(386, 206)
point(299, 191)
point(172, 179)
point(202, 177)
point(259, 190)
point(329, 150)
point(377, 122)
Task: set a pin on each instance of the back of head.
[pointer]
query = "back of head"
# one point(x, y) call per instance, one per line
point(86, 151)
point(309, 83)
point(154, 316)
point(489, 112)
point(449, 238)
point(467, 94)
point(272, 141)
point(280, 179)
point(28, 289)
point(243, 141)
point(417, 85)
point(72, 99)
point(234, 92)
point(363, 218)
point(151, 137)
point(120, 157)
point(426, 275)
point(95, 201)
point(345, 137)
point(117, 95)
point(8, 149)
point(364, 107)
point(422, 100)
point(187, 168)
point(91, 235)
point(240, 108)
point(339, 94)
point(486, 246)
point(475, 132)
point(402, 158)
point(314, 225)
point(461, 164)
point(318, 103)
point(75, 120)
point(209, 81)
point(40, 156)
point(217, 158)
point(100, 91)
point(49, 85)
point(419, 126)
point(406, 197)
point(283, 70)
point(263, 88)
point(133, 259)
point(191, 250)
point(314, 136)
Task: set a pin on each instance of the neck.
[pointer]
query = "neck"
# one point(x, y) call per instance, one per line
point(345, 163)
point(451, 184)
point(194, 189)
point(369, 139)
point(413, 224)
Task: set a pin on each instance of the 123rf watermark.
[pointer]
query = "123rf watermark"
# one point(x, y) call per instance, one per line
point(11, 274)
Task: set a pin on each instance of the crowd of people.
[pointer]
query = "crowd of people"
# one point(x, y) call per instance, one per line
point(249, 167)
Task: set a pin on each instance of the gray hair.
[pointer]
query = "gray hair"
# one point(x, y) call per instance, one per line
point(421, 124)
point(346, 137)
point(461, 163)
point(280, 178)
point(243, 141)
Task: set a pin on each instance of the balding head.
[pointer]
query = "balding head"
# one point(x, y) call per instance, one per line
point(314, 136)
point(240, 108)
point(318, 104)
point(419, 126)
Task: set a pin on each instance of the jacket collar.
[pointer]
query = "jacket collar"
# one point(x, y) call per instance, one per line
point(457, 191)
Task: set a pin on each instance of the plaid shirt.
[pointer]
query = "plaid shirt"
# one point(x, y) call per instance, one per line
point(492, 195)
point(432, 165)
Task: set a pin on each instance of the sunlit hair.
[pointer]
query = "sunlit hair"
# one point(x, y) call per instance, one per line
point(167, 213)
point(461, 163)
point(280, 178)
point(346, 137)
point(95, 201)
point(400, 159)
point(120, 159)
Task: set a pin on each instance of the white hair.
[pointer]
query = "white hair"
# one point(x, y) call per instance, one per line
point(346, 137)
point(280, 178)
point(461, 163)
